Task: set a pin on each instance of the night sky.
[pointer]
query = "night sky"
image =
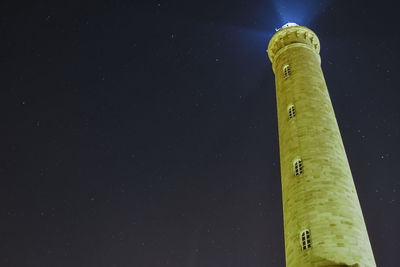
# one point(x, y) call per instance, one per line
point(145, 133)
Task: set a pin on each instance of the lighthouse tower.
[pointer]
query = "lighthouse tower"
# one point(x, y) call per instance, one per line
point(323, 221)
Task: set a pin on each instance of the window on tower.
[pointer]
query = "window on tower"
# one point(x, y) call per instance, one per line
point(298, 167)
point(305, 239)
point(286, 71)
point(292, 111)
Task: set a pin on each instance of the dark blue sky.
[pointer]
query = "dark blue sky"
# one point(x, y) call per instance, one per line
point(145, 133)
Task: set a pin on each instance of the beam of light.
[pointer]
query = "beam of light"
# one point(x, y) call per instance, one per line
point(300, 11)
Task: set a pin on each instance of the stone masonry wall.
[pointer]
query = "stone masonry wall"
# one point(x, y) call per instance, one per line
point(323, 198)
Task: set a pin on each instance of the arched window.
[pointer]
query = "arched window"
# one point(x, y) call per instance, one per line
point(305, 239)
point(298, 167)
point(292, 111)
point(286, 71)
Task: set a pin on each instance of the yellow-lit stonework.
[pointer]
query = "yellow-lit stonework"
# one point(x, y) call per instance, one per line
point(318, 191)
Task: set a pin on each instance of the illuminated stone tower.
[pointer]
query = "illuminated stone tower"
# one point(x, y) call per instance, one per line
point(323, 221)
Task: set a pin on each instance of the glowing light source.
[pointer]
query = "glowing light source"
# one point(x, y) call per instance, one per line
point(289, 24)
